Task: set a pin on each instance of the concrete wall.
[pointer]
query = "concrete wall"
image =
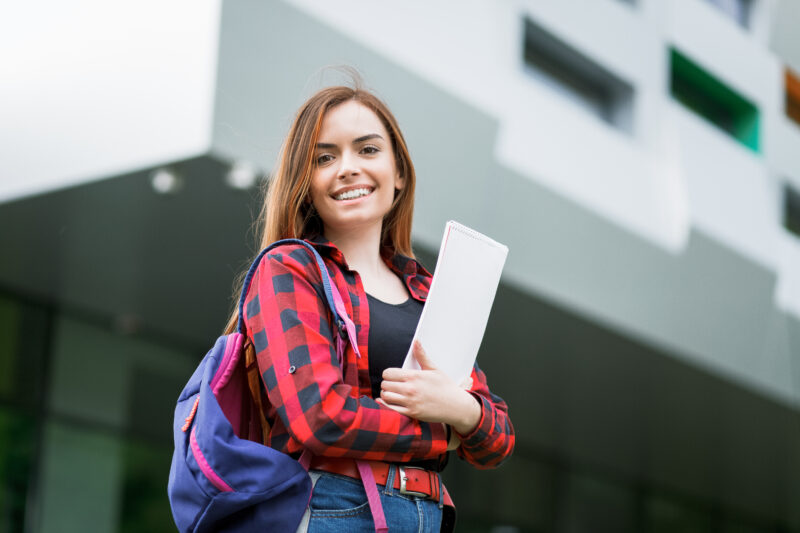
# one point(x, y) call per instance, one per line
point(672, 237)
point(92, 89)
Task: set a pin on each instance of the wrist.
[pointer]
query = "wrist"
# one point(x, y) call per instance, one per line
point(468, 415)
point(453, 442)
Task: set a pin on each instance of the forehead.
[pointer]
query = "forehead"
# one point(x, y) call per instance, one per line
point(351, 119)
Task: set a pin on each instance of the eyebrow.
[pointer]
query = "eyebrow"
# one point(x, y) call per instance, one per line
point(355, 141)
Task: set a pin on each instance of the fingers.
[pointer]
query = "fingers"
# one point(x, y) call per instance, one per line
point(394, 398)
point(398, 408)
point(422, 357)
point(399, 387)
point(397, 374)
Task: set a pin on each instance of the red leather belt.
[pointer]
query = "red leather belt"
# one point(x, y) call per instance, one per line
point(408, 480)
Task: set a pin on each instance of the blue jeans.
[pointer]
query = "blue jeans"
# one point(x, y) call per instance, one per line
point(339, 505)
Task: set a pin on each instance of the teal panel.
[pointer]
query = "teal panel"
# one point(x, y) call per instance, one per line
point(710, 98)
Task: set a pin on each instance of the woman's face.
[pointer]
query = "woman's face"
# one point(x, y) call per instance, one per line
point(355, 177)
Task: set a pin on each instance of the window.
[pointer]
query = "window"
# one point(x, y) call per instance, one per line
point(17, 456)
point(792, 83)
point(791, 209)
point(575, 76)
point(143, 503)
point(80, 402)
point(705, 95)
point(23, 349)
point(738, 10)
point(663, 514)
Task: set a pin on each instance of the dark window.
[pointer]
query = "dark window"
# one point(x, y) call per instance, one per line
point(144, 505)
point(664, 514)
point(17, 455)
point(707, 96)
point(23, 329)
point(572, 74)
point(738, 10)
point(596, 504)
point(23, 348)
point(791, 209)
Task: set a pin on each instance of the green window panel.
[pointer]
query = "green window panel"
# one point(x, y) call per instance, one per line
point(708, 97)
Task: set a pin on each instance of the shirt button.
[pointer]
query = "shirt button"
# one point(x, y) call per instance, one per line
point(292, 369)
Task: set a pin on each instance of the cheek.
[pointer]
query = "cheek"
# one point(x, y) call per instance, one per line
point(389, 195)
point(317, 189)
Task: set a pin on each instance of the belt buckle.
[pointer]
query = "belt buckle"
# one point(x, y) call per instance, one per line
point(403, 479)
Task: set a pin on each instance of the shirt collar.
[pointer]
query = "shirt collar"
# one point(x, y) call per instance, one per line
point(415, 276)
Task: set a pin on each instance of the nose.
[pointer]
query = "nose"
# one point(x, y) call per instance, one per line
point(348, 164)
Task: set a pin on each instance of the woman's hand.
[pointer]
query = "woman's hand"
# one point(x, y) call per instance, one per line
point(430, 395)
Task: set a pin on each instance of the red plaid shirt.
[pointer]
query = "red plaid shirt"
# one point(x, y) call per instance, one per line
point(316, 405)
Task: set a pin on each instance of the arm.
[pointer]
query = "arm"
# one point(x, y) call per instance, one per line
point(288, 322)
point(492, 441)
point(478, 417)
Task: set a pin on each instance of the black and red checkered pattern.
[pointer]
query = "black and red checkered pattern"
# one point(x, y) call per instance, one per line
point(330, 411)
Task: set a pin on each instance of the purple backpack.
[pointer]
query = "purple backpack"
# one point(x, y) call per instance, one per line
point(222, 478)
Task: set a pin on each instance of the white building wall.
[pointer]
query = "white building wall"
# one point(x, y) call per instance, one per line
point(675, 172)
point(91, 89)
point(129, 89)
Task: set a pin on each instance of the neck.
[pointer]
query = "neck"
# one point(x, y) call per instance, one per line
point(361, 248)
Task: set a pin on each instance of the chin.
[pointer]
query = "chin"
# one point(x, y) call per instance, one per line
point(353, 224)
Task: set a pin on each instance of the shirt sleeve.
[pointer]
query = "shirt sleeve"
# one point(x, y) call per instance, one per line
point(492, 440)
point(288, 321)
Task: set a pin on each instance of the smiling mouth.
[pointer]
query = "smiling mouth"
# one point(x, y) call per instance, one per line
point(353, 194)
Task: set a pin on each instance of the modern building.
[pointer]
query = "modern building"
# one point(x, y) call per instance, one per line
point(640, 158)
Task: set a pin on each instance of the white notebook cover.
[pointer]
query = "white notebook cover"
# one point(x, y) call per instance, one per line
point(462, 291)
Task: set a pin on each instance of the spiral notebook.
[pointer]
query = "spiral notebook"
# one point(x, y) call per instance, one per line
point(462, 291)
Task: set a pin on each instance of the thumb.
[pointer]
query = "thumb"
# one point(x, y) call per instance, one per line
point(422, 358)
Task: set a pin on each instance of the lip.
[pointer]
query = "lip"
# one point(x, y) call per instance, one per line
point(352, 188)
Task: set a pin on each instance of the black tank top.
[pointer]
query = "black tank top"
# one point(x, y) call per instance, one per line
point(391, 330)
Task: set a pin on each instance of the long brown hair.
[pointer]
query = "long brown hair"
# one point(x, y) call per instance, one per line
point(287, 213)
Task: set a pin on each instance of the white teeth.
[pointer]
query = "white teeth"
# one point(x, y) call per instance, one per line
point(355, 193)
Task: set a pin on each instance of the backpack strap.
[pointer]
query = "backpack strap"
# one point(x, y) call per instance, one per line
point(326, 283)
point(256, 390)
point(335, 304)
point(344, 325)
point(373, 497)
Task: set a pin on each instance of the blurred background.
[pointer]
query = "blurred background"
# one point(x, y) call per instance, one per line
point(640, 158)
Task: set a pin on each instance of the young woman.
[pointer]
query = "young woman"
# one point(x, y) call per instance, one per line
point(345, 183)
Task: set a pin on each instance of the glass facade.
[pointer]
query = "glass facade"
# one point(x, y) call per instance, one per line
point(537, 492)
point(85, 422)
point(85, 445)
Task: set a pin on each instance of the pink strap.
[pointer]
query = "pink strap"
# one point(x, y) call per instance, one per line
point(371, 488)
point(305, 459)
point(367, 478)
point(348, 323)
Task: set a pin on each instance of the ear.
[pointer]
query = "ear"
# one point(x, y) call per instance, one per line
point(399, 181)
